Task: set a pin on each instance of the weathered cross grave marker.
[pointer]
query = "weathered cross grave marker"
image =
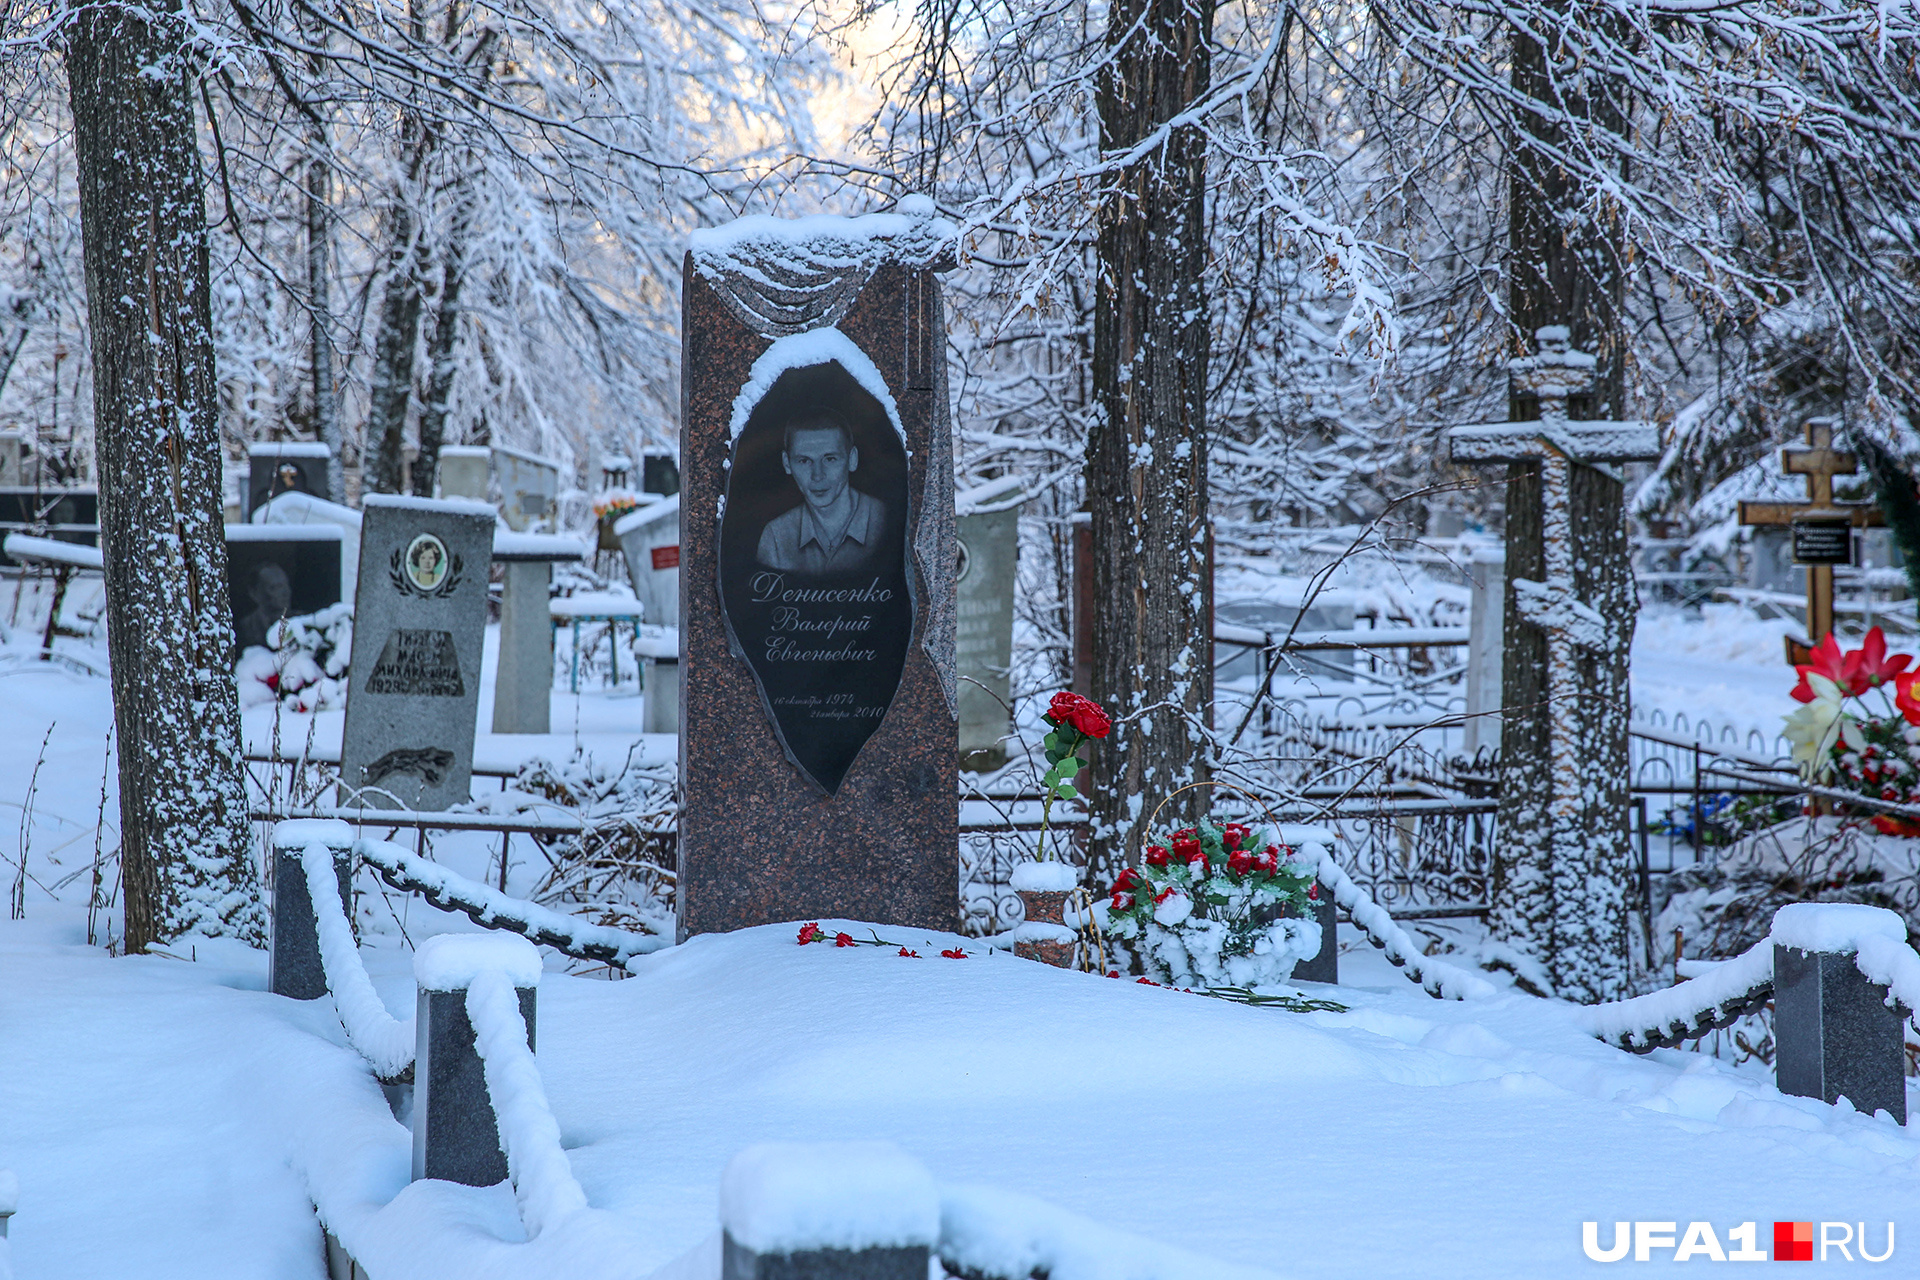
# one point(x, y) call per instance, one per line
point(278, 571)
point(1822, 528)
point(1559, 882)
point(817, 556)
point(419, 621)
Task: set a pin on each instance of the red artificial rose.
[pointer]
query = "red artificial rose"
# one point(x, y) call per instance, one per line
point(1186, 848)
point(1166, 893)
point(1240, 862)
point(1122, 901)
point(273, 681)
point(1064, 705)
point(1127, 879)
point(1156, 856)
point(1267, 863)
point(842, 939)
point(1091, 720)
point(810, 933)
point(1233, 835)
point(955, 954)
point(1206, 867)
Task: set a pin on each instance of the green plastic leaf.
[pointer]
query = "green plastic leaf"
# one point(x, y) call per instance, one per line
point(1067, 791)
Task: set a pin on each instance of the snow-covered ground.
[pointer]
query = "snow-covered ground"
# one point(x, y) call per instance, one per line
point(167, 1117)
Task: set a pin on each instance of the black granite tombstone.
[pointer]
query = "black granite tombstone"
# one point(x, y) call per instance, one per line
point(277, 571)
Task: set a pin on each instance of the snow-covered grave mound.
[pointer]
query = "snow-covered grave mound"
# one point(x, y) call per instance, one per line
point(168, 1117)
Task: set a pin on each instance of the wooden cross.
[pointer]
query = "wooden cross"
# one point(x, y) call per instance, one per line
point(1819, 462)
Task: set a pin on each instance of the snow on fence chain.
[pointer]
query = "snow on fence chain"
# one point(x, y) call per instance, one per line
point(1438, 978)
point(383, 1040)
point(450, 891)
point(543, 1181)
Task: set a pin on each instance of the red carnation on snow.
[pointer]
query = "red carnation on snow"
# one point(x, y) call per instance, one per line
point(842, 939)
point(811, 933)
point(955, 954)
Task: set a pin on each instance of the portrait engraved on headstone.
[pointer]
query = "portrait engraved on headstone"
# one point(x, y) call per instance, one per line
point(279, 571)
point(420, 618)
point(813, 559)
point(290, 467)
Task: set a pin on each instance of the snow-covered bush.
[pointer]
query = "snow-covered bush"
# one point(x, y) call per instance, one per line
point(303, 665)
point(1223, 906)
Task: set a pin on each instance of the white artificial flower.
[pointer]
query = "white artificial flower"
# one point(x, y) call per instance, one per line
point(1814, 727)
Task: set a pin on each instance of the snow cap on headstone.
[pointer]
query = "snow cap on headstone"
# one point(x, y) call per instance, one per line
point(298, 833)
point(785, 1197)
point(451, 961)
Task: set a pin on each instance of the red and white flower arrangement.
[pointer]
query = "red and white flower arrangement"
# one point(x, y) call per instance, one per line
point(1217, 905)
point(1841, 739)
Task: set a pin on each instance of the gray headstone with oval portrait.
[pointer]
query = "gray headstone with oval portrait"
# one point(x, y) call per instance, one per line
point(420, 618)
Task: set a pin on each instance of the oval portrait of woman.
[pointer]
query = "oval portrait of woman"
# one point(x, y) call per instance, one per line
point(813, 563)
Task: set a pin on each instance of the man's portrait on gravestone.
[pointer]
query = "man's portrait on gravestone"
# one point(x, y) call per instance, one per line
point(272, 594)
point(814, 578)
point(836, 527)
point(271, 579)
point(426, 561)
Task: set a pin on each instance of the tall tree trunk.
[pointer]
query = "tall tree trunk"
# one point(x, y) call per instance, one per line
point(326, 399)
point(440, 347)
point(1563, 899)
point(184, 838)
point(391, 382)
point(1146, 468)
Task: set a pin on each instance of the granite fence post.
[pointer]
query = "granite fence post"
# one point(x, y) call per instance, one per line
point(456, 1136)
point(1834, 1034)
point(1324, 967)
point(827, 1211)
point(293, 965)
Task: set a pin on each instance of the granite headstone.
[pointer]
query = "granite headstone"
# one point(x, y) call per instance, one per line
point(465, 470)
point(650, 544)
point(818, 694)
point(529, 487)
point(523, 676)
point(279, 571)
point(989, 547)
point(13, 457)
point(274, 469)
point(420, 618)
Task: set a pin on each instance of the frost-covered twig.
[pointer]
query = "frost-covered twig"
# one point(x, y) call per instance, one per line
point(451, 891)
point(543, 1181)
point(382, 1040)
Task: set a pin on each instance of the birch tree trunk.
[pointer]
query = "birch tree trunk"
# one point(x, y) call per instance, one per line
point(440, 348)
point(184, 837)
point(1146, 467)
point(1562, 900)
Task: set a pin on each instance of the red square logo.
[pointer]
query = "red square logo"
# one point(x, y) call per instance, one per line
point(1793, 1242)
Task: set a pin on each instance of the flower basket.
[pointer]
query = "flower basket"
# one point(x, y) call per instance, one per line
point(1217, 905)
